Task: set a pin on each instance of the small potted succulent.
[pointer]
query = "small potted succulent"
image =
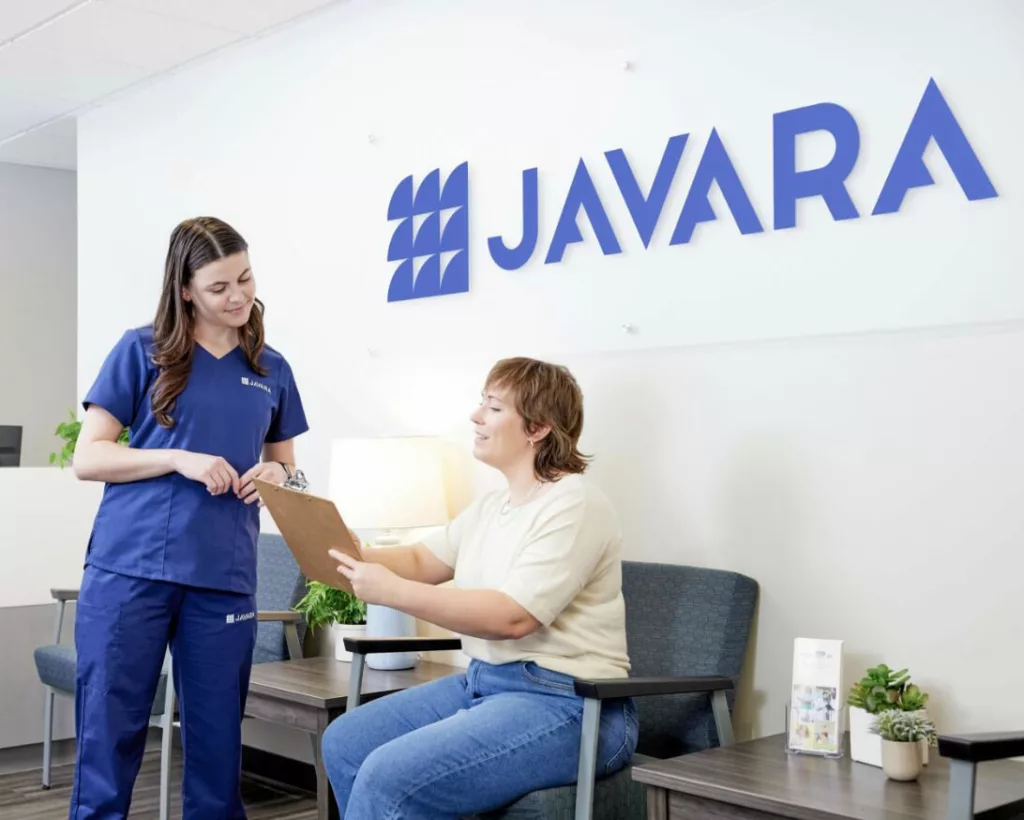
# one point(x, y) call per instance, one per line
point(903, 736)
point(881, 689)
point(342, 612)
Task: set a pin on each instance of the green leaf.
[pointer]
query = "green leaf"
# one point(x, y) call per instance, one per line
point(68, 432)
point(882, 689)
point(323, 605)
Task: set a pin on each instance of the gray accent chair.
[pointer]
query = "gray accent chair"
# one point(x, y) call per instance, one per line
point(687, 630)
point(279, 637)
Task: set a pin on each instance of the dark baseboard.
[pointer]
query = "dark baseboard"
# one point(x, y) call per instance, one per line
point(30, 758)
point(285, 771)
point(278, 769)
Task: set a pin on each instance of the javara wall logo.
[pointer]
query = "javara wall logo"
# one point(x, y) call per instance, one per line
point(434, 258)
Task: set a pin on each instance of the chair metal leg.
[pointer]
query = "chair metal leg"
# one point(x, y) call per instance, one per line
point(962, 782)
point(588, 759)
point(166, 738)
point(355, 682)
point(723, 723)
point(58, 625)
point(167, 731)
point(48, 735)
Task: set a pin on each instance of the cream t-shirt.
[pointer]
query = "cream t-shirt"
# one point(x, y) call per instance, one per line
point(558, 556)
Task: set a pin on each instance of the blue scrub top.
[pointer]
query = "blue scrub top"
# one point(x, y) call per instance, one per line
point(170, 528)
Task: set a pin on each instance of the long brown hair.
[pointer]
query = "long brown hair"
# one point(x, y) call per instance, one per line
point(546, 394)
point(194, 244)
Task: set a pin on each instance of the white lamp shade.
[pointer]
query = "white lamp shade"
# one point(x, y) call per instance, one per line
point(389, 483)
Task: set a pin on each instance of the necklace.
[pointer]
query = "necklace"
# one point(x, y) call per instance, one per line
point(506, 508)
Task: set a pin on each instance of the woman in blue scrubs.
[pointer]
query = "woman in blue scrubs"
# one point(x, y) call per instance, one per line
point(172, 556)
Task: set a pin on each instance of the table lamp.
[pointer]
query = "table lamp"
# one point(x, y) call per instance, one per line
point(389, 484)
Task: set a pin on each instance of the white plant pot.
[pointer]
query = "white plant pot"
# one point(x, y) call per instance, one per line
point(338, 634)
point(865, 747)
point(901, 761)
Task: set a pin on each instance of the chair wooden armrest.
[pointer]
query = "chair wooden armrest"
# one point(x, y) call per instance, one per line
point(270, 615)
point(290, 620)
point(373, 646)
point(965, 753)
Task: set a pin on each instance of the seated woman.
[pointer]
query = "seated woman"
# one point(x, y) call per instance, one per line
point(537, 598)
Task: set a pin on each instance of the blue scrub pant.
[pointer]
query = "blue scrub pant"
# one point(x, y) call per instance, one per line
point(123, 626)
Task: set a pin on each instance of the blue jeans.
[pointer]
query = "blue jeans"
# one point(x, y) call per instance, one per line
point(467, 743)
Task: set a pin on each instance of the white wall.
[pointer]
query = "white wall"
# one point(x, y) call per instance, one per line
point(38, 304)
point(46, 515)
point(759, 420)
point(277, 137)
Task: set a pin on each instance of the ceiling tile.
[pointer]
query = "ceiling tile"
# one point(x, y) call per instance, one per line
point(21, 111)
point(105, 31)
point(26, 69)
point(18, 16)
point(53, 146)
point(248, 16)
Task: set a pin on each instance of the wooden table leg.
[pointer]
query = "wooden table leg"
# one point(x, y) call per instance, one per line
point(657, 803)
point(326, 805)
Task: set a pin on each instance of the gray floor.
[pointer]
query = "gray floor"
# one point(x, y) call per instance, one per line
point(22, 797)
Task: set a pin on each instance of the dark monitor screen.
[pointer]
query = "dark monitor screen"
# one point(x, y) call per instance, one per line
point(10, 445)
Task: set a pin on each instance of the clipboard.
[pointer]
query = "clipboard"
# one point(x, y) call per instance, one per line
point(310, 525)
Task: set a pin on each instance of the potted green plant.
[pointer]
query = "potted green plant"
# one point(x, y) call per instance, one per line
point(903, 737)
point(342, 612)
point(68, 432)
point(880, 690)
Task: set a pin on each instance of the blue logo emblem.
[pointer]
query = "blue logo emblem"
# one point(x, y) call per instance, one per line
point(431, 241)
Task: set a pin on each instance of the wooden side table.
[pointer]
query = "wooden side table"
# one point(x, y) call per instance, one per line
point(311, 692)
point(758, 780)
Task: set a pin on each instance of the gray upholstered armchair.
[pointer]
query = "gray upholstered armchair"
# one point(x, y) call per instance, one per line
point(965, 754)
point(279, 637)
point(687, 631)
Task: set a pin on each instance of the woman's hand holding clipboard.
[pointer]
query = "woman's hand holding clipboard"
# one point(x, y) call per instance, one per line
point(312, 528)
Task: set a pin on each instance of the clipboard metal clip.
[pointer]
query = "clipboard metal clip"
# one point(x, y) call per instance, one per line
point(297, 481)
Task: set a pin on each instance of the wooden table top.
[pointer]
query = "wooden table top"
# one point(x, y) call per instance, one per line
point(760, 775)
point(322, 682)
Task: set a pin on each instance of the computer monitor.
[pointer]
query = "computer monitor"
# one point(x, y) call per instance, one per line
point(10, 445)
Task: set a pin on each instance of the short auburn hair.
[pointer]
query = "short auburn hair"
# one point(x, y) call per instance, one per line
point(545, 395)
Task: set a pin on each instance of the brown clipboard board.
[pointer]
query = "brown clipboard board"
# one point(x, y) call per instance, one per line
point(310, 526)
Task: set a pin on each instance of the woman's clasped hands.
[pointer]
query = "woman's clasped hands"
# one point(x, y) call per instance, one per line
point(219, 476)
